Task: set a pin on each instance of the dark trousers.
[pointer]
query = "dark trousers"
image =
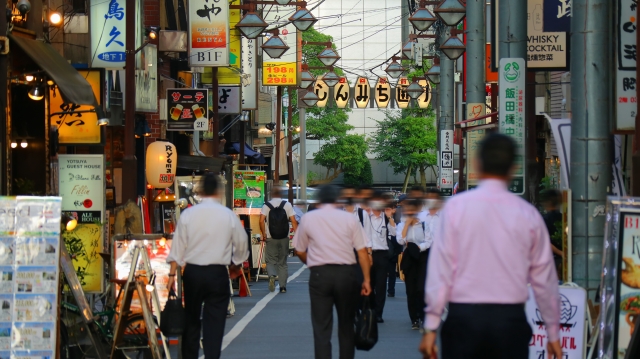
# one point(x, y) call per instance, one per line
point(329, 286)
point(393, 275)
point(476, 331)
point(208, 285)
point(414, 280)
point(379, 270)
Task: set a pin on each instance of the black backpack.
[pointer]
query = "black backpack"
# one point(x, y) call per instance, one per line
point(278, 221)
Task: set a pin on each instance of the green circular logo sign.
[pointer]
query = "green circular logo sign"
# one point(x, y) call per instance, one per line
point(511, 72)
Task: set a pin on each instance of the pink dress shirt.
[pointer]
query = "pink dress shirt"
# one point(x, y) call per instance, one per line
point(329, 236)
point(489, 246)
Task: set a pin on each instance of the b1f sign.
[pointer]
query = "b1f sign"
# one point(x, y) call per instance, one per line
point(208, 33)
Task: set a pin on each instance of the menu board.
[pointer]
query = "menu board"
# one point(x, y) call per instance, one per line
point(628, 299)
point(248, 191)
point(29, 276)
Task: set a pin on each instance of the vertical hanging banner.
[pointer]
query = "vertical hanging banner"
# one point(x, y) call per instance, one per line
point(446, 162)
point(511, 115)
point(208, 33)
point(249, 74)
point(282, 71)
point(82, 188)
point(626, 82)
point(108, 34)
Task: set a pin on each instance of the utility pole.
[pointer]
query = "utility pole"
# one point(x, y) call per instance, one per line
point(475, 68)
point(290, 141)
point(276, 176)
point(129, 162)
point(590, 168)
point(445, 95)
point(302, 115)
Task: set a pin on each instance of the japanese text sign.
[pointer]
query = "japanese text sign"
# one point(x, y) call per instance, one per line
point(402, 97)
point(557, 15)
point(573, 307)
point(425, 98)
point(282, 71)
point(322, 91)
point(626, 85)
point(185, 106)
point(512, 114)
point(446, 162)
point(341, 93)
point(383, 92)
point(249, 74)
point(75, 126)
point(228, 99)
point(108, 33)
point(82, 188)
point(362, 91)
point(208, 33)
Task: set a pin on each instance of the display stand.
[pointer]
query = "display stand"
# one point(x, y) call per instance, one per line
point(133, 285)
point(76, 289)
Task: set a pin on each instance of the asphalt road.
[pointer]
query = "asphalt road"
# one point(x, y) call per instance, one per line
point(273, 325)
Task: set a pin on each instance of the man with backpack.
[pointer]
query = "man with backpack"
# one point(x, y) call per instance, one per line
point(277, 213)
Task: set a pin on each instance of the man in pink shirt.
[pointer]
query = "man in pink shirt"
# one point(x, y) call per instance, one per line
point(489, 247)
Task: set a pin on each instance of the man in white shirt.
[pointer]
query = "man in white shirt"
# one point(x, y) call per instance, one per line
point(277, 249)
point(208, 238)
point(380, 227)
point(431, 213)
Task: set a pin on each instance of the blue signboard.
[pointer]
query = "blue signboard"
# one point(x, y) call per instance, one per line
point(557, 16)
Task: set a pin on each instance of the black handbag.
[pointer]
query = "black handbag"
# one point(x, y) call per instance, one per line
point(173, 318)
point(366, 327)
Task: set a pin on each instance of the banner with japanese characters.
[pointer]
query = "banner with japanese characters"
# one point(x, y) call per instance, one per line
point(557, 15)
point(446, 162)
point(626, 82)
point(185, 106)
point(109, 33)
point(30, 231)
point(512, 115)
point(82, 187)
point(77, 124)
point(249, 74)
point(282, 71)
point(208, 33)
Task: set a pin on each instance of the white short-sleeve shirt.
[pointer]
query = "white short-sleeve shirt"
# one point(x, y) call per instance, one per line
point(275, 202)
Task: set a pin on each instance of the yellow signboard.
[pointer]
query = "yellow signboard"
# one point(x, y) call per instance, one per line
point(284, 70)
point(277, 73)
point(84, 243)
point(74, 125)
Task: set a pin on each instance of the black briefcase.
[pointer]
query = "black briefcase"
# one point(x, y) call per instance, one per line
point(366, 327)
point(173, 318)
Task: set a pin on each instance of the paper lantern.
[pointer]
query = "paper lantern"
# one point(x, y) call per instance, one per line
point(162, 160)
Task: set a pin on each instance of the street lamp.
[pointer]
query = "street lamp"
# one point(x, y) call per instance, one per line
point(453, 48)
point(251, 25)
point(422, 19)
point(414, 90)
point(394, 70)
point(275, 47)
point(331, 79)
point(310, 98)
point(451, 12)
point(306, 78)
point(434, 73)
point(328, 56)
point(283, 2)
point(407, 49)
point(303, 19)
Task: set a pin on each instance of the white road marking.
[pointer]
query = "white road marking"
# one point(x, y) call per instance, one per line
point(262, 303)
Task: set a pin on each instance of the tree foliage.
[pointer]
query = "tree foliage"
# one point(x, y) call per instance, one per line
point(407, 141)
point(364, 178)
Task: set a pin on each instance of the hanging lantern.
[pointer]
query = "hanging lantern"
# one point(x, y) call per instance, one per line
point(161, 164)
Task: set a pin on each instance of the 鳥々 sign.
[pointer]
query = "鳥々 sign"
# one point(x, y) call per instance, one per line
point(573, 308)
point(362, 90)
point(249, 74)
point(383, 92)
point(446, 162)
point(208, 33)
point(82, 188)
point(76, 123)
point(282, 71)
point(185, 106)
point(511, 115)
point(626, 82)
point(108, 33)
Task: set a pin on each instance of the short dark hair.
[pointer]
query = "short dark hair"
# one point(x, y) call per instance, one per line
point(497, 154)
point(417, 189)
point(553, 196)
point(209, 184)
point(363, 187)
point(328, 194)
point(414, 202)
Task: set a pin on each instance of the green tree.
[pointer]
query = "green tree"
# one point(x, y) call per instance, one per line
point(407, 141)
point(365, 177)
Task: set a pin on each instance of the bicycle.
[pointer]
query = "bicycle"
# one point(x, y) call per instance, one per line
point(135, 335)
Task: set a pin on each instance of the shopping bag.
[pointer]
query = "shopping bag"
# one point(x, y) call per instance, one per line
point(366, 327)
point(173, 318)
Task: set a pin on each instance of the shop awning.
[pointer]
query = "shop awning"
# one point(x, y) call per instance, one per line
point(249, 152)
point(74, 88)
